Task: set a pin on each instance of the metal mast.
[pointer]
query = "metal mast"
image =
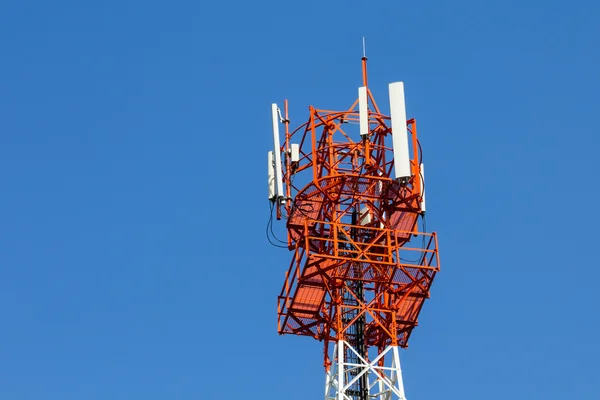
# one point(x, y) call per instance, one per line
point(361, 270)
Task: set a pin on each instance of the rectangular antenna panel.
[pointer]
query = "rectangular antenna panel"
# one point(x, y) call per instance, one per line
point(364, 216)
point(399, 131)
point(423, 187)
point(271, 176)
point(295, 152)
point(277, 152)
point(363, 111)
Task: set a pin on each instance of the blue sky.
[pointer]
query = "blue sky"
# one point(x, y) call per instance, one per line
point(133, 136)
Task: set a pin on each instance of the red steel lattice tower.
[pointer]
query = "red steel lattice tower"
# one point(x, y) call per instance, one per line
point(351, 186)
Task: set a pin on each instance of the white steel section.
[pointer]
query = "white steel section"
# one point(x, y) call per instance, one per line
point(363, 111)
point(271, 176)
point(295, 152)
point(399, 131)
point(397, 373)
point(341, 371)
point(277, 152)
point(383, 381)
point(422, 169)
point(331, 378)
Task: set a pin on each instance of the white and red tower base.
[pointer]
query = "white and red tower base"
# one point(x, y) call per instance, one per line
point(383, 373)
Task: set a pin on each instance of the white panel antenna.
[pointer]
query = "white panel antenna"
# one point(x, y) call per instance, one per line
point(423, 188)
point(271, 176)
point(295, 152)
point(378, 204)
point(363, 111)
point(364, 216)
point(277, 152)
point(399, 131)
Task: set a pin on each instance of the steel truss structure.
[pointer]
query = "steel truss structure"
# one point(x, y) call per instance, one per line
point(361, 269)
point(383, 382)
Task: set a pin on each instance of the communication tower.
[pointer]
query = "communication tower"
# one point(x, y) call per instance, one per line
point(351, 186)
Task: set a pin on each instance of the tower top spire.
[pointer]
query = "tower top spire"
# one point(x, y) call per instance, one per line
point(364, 48)
point(364, 62)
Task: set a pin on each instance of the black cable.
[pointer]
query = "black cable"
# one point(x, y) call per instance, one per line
point(302, 209)
point(421, 258)
point(273, 233)
point(423, 221)
point(270, 224)
point(271, 242)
